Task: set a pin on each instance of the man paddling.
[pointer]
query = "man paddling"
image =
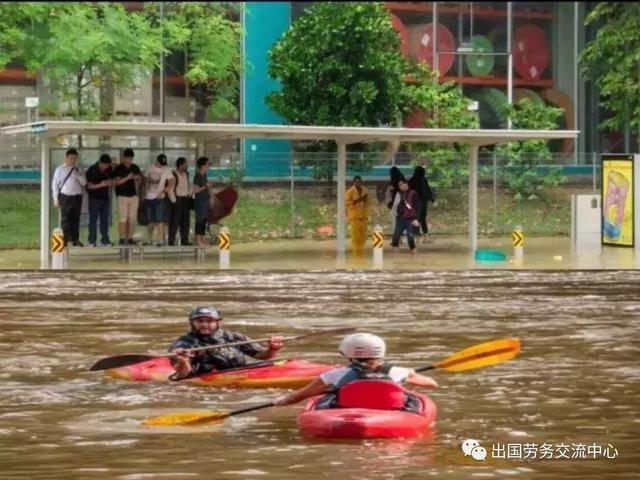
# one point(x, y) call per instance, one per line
point(205, 330)
point(365, 353)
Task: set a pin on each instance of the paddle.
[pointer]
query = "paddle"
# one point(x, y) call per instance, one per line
point(194, 418)
point(131, 359)
point(476, 356)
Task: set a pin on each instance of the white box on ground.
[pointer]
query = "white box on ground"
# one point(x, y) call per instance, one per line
point(586, 222)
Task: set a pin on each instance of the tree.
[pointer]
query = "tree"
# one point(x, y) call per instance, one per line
point(85, 51)
point(443, 105)
point(338, 64)
point(210, 39)
point(521, 173)
point(612, 62)
point(12, 16)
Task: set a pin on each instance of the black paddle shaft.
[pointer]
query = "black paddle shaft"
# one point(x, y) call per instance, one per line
point(208, 418)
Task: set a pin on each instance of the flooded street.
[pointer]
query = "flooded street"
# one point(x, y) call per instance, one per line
point(575, 381)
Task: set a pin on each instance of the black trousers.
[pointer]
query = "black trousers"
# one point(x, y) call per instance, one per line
point(70, 208)
point(180, 213)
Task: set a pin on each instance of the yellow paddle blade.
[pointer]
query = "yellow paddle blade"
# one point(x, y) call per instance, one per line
point(185, 418)
point(481, 355)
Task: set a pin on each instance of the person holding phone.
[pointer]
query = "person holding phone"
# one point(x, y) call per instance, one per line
point(67, 187)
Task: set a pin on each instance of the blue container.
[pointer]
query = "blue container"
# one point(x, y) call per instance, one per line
point(484, 255)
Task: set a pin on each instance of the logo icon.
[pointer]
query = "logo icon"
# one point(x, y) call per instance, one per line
point(472, 447)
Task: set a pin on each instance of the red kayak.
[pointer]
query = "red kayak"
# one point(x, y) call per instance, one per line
point(372, 411)
point(279, 374)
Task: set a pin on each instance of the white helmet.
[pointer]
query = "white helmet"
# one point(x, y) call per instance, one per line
point(362, 345)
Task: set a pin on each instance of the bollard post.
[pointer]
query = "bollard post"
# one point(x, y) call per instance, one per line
point(518, 244)
point(224, 244)
point(58, 250)
point(378, 246)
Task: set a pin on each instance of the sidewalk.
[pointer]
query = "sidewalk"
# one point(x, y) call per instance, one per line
point(445, 253)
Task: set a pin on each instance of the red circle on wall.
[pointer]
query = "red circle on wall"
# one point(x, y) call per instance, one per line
point(445, 43)
point(530, 51)
point(402, 32)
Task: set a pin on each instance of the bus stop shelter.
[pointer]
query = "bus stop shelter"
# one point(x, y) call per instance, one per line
point(48, 131)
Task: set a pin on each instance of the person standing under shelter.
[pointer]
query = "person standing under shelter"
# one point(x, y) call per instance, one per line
point(419, 183)
point(202, 195)
point(127, 175)
point(357, 204)
point(67, 187)
point(99, 181)
point(407, 218)
point(158, 180)
point(181, 209)
point(392, 194)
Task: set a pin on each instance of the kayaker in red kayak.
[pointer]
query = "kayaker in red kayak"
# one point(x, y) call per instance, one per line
point(205, 330)
point(365, 353)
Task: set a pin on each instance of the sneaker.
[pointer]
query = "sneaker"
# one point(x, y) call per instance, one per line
point(78, 244)
point(122, 242)
point(106, 244)
point(91, 244)
point(147, 243)
point(131, 241)
point(159, 244)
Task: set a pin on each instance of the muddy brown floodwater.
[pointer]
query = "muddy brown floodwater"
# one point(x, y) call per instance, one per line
point(575, 382)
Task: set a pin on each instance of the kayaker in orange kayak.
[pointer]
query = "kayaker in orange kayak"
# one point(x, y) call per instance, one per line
point(365, 353)
point(205, 330)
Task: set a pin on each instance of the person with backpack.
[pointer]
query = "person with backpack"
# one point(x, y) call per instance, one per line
point(365, 353)
point(407, 216)
point(419, 184)
point(180, 209)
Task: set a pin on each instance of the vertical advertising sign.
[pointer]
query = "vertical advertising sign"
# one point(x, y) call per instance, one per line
point(618, 181)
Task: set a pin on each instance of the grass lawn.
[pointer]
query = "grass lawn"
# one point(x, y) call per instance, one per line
point(266, 213)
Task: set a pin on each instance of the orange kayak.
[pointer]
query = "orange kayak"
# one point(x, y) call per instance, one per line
point(292, 373)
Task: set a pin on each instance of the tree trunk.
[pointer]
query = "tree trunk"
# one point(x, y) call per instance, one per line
point(107, 101)
point(79, 102)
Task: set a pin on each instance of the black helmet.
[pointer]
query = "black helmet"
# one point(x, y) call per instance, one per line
point(209, 312)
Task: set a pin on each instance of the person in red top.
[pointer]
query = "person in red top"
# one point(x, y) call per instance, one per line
point(407, 217)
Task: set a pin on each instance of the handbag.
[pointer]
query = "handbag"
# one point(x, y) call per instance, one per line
point(142, 213)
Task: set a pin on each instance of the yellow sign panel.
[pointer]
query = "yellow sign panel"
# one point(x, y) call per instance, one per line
point(378, 240)
point(224, 241)
point(57, 243)
point(518, 238)
point(617, 200)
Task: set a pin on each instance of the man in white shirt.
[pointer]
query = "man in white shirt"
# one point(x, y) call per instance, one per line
point(67, 187)
point(159, 180)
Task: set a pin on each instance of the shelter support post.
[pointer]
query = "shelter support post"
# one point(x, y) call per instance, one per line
point(45, 206)
point(473, 198)
point(341, 216)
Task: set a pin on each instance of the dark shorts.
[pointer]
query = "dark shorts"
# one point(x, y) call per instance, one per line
point(155, 210)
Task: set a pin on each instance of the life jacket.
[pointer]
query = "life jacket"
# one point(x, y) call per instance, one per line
point(362, 387)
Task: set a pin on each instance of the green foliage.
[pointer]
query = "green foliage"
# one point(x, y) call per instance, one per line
point(12, 16)
point(445, 106)
point(612, 61)
point(211, 41)
point(520, 174)
point(338, 64)
point(88, 50)
point(83, 48)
